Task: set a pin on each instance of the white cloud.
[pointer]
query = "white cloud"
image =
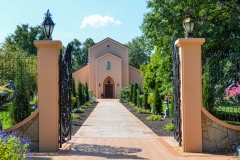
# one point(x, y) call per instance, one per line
point(98, 21)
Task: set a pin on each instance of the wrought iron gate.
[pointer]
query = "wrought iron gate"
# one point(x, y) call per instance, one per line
point(65, 89)
point(176, 93)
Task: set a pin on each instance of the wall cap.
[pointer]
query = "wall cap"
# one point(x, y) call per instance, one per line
point(22, 123)
point(218, 121)
point(48, 43)
point(189, 41)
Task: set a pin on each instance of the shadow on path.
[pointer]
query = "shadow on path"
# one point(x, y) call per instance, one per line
point(102, 151)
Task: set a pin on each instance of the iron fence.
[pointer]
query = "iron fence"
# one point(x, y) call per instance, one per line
point(21, 69)
point(221, 86)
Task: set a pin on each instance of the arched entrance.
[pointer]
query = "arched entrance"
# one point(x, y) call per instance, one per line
point(109, 87)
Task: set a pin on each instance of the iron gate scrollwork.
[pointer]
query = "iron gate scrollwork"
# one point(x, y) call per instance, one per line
point(65, 89)
point(176, 93)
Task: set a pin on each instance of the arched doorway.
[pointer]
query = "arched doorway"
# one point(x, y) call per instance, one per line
point(109, 87)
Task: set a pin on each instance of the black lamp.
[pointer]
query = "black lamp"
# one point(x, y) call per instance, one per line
point(188, 24)
point(48, 25)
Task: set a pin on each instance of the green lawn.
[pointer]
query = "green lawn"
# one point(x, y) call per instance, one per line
point(227, 107)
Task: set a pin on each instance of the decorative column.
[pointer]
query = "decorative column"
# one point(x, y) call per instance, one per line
point(191, 92)
point(48, 94)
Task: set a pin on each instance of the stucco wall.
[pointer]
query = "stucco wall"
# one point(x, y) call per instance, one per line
point(102, 73)
point(99, 50)
point(218, 136)
point(29, 127)
point(134, 76)
point(81, 75)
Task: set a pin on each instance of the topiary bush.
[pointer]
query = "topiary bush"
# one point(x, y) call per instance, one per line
point(145, 100)
point(13, 147)
point(131, 93)
point(157, 103)
point(80, 93)
point(135, 93)
point(86, 92)
point(138, 96)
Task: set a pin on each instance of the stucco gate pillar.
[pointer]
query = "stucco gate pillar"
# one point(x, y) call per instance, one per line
point(191, 92)
point(48, 94)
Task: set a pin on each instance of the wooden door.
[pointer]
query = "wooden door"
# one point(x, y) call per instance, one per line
point(108, 90)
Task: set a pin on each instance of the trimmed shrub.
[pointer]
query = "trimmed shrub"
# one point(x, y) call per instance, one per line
point(135, 93)
point(154, 118)
point(84, 107)
point(145, 100)
point(138, 96)
point(124, 95)
point(79, 111)
point(157, 103)
point(136, 109)
point(131, 93)
point(75, 116)
point(169, 127)
point(80, 93)
point(143, 111)
point(86, 92)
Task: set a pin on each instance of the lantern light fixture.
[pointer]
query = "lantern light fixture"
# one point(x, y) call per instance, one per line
point(188, 24)
point(48, 25)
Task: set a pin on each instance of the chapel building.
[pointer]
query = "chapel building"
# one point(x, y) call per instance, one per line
point(108, 70)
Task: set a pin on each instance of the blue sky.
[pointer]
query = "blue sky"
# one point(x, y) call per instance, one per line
point(80, 19)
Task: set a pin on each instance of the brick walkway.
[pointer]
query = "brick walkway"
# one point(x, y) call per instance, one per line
point(112, 132)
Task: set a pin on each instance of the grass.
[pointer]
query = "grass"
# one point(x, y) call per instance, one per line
point(232, 123)
point(227, 107)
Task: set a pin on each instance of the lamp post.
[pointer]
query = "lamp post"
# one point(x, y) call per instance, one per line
point(167, 97)
point(188, 24)
point(48, 25)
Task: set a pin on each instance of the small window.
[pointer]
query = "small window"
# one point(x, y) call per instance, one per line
point(108, 65)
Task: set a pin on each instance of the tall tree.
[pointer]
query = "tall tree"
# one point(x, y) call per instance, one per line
point(80, 52)
point(217, 21)
point(139, 52)
point(23, 38)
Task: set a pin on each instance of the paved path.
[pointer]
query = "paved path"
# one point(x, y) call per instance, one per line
point(112, 132)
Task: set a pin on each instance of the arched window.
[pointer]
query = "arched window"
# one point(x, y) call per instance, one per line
point(108, 65)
